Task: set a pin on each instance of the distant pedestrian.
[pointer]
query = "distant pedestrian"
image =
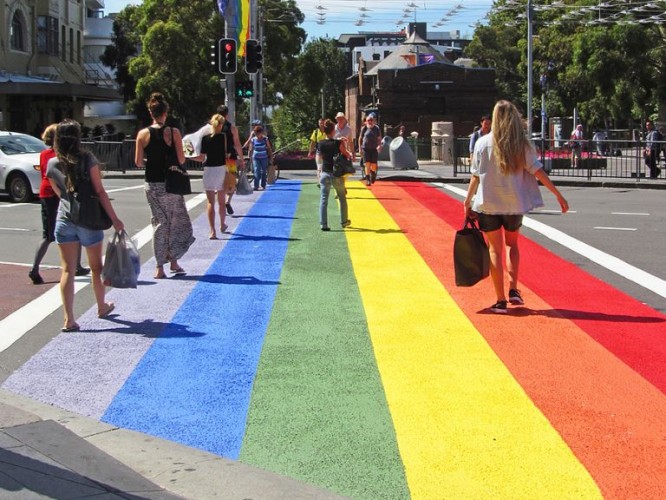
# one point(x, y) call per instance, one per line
point(503, 187)
point(66, 172)
point(343, 131)
point(261, 153)
point(328, 149)
point(370, 140)
point(235, 158)
point(317, 135)
point(652, 147)
point(576, 145)
point(155, 149)
point(49, 201)
point(479, 132)
point(214, 156)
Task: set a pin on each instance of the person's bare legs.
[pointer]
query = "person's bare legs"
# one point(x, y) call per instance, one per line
point(69, 255)
point(496, 244)
point(223, 210)
point(210, 210)
point(513, 257)
point(94, 254)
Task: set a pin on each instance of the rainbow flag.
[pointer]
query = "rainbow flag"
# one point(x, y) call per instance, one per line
point(237, 14)
point(351, 361)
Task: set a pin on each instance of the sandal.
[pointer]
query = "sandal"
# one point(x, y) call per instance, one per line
point(74, 328)
point(159, 275)
point(178, 271)
point(110, 306)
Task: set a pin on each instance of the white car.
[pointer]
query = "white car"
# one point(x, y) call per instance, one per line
point(19, 165)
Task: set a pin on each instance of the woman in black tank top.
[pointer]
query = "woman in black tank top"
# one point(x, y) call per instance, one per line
point(172, 228)
point(327, 150)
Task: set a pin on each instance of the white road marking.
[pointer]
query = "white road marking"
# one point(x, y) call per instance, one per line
point(13, 229)
point(14, 205)
point(624, 269)
point(21, 321)
point(21, 264)
point(615, 228)
point(629, 213)
point(548, 211)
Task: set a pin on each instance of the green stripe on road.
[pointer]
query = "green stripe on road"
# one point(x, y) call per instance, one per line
point(318, 411)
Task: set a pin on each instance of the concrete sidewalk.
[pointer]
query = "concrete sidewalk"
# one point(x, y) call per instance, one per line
point(47, 452)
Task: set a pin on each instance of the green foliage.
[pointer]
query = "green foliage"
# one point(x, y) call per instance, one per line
point(321, 66)
point(610, 73)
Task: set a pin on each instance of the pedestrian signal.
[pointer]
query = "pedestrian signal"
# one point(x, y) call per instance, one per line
point(245, 89)
point(228, 58)
point(253, 56)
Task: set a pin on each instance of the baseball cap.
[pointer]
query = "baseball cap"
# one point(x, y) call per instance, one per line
point(373, 116)
point(339, 115)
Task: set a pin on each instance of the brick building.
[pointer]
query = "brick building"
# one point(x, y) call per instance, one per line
point(416, 85)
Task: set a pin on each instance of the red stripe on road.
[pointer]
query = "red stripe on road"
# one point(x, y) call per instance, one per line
point(611, 417)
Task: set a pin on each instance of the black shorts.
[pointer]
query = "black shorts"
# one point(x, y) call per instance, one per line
point(370, 155)
point(492, 222)
point(49, 216)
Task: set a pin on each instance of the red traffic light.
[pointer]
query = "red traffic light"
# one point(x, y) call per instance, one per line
point(227, 57)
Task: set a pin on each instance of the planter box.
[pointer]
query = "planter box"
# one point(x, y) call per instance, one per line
point(294, 162)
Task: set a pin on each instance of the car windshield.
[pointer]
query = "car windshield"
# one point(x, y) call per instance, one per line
point(17, 144)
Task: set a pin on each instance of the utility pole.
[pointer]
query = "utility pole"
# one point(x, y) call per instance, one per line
point(256, 77)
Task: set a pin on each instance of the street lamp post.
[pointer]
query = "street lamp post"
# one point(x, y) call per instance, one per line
point(530, 13)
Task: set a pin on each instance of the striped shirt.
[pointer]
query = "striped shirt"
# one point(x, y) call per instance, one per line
point(260, 148)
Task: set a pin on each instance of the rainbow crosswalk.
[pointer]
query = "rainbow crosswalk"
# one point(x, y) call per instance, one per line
point(351, 361)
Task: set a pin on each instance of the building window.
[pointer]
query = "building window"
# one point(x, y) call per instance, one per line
point(17, 33)
point(47, 35)
point(63, 45)
point(78, 47)
point(71, 45)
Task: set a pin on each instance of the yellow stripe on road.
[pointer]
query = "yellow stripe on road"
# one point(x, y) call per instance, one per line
point(464, 426)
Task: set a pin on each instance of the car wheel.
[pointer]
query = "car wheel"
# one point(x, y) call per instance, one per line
point(19, 188)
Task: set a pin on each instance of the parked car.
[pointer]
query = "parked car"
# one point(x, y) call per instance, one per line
point(19, 165)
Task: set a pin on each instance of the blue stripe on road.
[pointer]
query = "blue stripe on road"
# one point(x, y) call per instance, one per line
point(196, 390)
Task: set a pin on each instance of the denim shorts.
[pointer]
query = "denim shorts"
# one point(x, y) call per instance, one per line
point(492, 222)
point(68, 232)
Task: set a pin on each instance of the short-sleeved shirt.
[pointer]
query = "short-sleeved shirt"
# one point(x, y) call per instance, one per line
point(371, 137)
point(327, 149)
point(215, 149)
point(45, 189)
point(259, 148)
point(511, 194)
point(345, 132)
point(54, 171)
point(318, 135)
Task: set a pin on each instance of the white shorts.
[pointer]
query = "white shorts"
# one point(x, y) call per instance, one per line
point(213, 178)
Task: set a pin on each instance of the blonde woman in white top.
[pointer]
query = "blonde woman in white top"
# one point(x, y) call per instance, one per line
point(503, 187)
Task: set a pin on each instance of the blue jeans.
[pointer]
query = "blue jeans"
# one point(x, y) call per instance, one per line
point(260, 171)
point(338, 183)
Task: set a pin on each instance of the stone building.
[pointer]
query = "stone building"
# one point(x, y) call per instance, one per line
point(42, 71)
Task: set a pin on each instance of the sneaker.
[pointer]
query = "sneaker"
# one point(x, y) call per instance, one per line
point(82, 271)
point(36, 278)
point(325, 228)
point(499, 307)
point(230, 211)
point(515, 297)
point(346, 223)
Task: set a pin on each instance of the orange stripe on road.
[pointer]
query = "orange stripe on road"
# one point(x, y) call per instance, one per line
point(610, 416)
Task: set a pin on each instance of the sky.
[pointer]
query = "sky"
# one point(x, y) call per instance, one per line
point(330, 18)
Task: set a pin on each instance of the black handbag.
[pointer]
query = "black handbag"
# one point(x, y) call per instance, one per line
point(85, 209)
point(471, 259)
point(342, 166)
point(176, 178)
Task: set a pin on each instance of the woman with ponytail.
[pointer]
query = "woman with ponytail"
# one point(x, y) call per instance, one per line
point(66, 172)
point(156, 146)
point(214, 156)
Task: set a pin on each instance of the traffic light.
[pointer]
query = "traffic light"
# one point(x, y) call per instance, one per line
point(245, 89)
point(228, 58)
point(253, 56)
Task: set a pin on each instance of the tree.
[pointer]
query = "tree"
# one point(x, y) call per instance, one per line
point(124, 46)
point(320, 68)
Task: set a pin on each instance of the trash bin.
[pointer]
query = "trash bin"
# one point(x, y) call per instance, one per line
point(402, 156)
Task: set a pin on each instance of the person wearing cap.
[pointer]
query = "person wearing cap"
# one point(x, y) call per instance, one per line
point(370, 140)
point(344, 131)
